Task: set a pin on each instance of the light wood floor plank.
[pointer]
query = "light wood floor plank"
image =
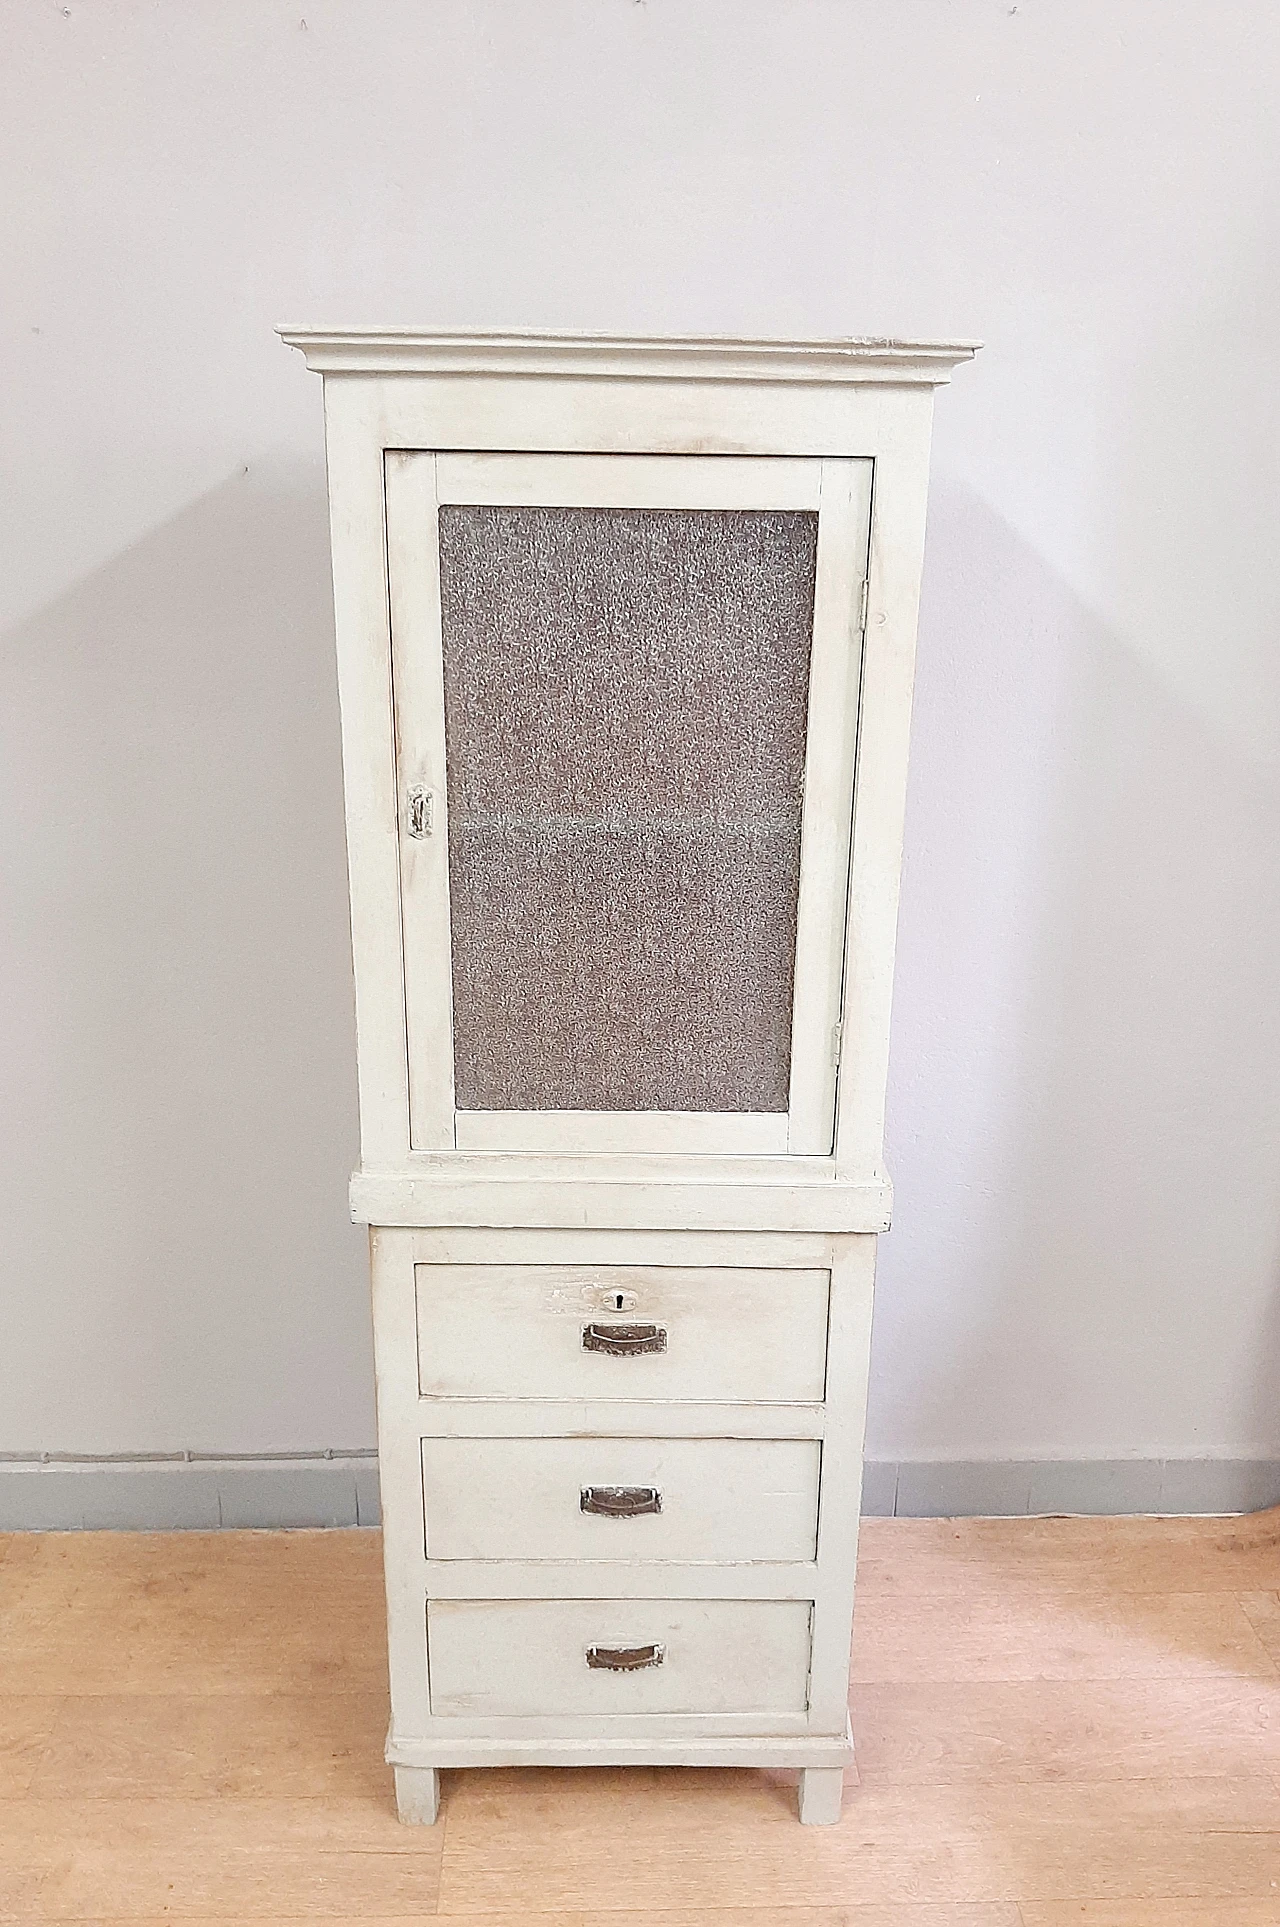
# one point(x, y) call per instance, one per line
point(185, 1746)
point(910, 1557)
point(1153, 1913)
point(1074, 1717)
point(27, 1721)
point(63, 1563)
point(1077, 1635)
point(236, 1612)
point(899, 1914)
point(908, 1914)
point(199, 1859)
point(1094, 1730)
point(847, 1867)
point(1263, 1610)
point(960, 1844)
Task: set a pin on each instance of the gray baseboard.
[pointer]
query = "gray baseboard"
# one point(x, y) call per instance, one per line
point(1021, 1488)
point(190, 1491)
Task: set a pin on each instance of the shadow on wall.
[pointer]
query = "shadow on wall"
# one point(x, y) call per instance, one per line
point(180, 1112)
point(1086, 1073)
point(1085, 1097)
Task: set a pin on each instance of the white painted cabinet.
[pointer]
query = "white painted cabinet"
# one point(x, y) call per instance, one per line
point(625, 635)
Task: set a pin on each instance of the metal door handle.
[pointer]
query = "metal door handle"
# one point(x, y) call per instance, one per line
point(621, 1501)
point(624, 1659)
point(622, 1341)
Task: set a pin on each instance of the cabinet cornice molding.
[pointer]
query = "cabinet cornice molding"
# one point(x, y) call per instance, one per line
point(713, 358)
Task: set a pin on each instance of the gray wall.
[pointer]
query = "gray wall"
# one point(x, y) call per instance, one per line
point(1086, 1073)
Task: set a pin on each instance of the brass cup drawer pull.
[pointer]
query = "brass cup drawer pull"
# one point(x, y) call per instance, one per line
point(624, 1341)
point(621, 1501)
point(624, 1659)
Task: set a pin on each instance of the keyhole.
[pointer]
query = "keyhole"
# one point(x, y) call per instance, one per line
point(606, 1296)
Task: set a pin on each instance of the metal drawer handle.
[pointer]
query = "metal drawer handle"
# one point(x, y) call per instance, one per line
point(621, 1501)
point(624, 1659)
point(623, 1341)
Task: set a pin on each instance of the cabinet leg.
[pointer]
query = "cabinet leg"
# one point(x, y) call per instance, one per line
point(820, 1791)
point(417, 1795)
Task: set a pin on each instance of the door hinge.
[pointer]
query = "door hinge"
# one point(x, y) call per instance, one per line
point(863, 598)
point(836, 1034)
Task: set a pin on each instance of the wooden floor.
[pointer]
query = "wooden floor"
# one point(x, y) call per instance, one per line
point(1060, 1723)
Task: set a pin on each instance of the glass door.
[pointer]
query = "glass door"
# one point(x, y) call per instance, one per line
point(625, 693)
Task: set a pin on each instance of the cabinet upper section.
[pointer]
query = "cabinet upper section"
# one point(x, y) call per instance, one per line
point(625, 635)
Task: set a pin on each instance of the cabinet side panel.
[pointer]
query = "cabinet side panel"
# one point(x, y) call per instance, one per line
point(400, 1471)
point(880, 786)
point(353, 432)
point(840, 1493)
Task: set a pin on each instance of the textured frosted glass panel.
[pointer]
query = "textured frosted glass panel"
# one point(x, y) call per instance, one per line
point(625, 696)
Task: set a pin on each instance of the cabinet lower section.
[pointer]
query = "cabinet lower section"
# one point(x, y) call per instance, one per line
point(620, 1488)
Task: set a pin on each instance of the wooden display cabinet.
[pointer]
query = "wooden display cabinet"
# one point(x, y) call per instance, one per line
point(625, 636)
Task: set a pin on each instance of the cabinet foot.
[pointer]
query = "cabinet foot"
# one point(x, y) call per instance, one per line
point(820, 1791)
point(417, 1795)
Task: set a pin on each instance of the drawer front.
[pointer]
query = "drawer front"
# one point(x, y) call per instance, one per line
point(622, 1331)
point(569, 1657)
point(722, 1500)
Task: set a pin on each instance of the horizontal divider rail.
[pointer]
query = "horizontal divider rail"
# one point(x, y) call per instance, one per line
point(477, 1418)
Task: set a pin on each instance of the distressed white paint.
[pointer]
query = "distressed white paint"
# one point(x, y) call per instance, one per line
point(418, 1795)
point(821, 1793)
point(835, 671)
point(421, 962)
point(739, 1333)
point(421, 1737)
point(514, 1192)
point(621, 1417)
point(517, 1659)
point(744, 1133)
point(555, 1326)
point(609, 1579)
point(520, 1746)
point(721, 1500)
point(603, 481)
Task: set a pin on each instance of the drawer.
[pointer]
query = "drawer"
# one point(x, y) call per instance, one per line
point(571, 1657)
point(622, 1331)
point(727, 1500)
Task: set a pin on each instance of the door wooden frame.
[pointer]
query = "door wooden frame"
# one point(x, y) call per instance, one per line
point(417, 484)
